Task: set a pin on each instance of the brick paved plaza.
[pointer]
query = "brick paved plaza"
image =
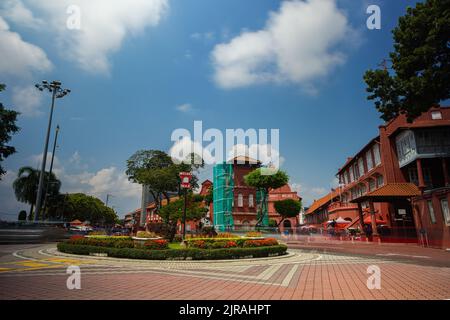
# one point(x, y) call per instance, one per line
point(39, 272)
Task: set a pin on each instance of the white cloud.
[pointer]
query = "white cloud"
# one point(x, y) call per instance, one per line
point(264, 153)
point(182, 148)
point(185, 107)
point(205, 36)
point(110, 180)
point(19, 57)
point(27, 100)
point(308, 194)
point(15, 11)
point(75, 158)
point(9, 207)
point(103, 27)
point(297, 45)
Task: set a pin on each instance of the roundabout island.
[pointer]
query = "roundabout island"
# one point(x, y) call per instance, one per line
point(148, 247)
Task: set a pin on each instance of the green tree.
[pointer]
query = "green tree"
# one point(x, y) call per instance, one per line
point(155, 169)
point(263, 183)
point(22, 215)
point(420, 63)
point(209, 197)
point(8, 127)
point(172, 213)
point(84, 207)
point(288, 208)
point(26, 185)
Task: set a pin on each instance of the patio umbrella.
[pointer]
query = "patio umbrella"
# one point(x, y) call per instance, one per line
point(377, 221)
point(340, 220)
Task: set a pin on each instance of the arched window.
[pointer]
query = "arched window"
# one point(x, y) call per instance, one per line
point(250, 201)
point(240, 200)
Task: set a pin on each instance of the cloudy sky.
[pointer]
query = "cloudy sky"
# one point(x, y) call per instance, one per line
point(139, 69)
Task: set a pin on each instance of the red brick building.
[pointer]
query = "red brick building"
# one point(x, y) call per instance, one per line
point(399, 179)
point(279, 194)
point(242, 204)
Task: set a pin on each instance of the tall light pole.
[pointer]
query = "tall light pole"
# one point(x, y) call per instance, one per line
point(50, 172)
point(107, 198)
point(57, 92)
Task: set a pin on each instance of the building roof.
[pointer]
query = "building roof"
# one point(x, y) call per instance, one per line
point(152, 205)
point(245, 159)
point(350, 159)
point(284, 189)
point(389, 192)
point(317, 204)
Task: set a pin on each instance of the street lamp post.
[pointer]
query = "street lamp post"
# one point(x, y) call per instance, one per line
point(51, 169)
point(57, 92)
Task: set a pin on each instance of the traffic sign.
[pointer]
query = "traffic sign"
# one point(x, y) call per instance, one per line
point(185, 179)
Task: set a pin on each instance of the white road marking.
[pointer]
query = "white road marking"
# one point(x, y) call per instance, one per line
point(289, 276)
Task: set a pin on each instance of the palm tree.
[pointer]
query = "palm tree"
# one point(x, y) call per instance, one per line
point(26, 185)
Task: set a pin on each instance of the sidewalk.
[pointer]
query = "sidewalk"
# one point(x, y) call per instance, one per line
point(396, 251)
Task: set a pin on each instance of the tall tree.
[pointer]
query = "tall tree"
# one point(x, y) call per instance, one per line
point(8, 127)
point(420, 77)
point(263, 183)
point(156, 169)
point(288, 208)
point(26, 185)
point(84, 207)
point(172, 213)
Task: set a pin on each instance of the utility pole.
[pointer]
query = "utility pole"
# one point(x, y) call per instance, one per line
point(185, 178)
point(57, 92)
point(50, 172)
point(107, 198)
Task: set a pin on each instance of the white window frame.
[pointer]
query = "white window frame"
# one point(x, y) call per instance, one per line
point(251, 202)
point(431, 211)
point(240, 200)
point(377, 154)
point(445, 211)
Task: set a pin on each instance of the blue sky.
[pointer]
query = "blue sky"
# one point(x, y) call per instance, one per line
point(132, 67)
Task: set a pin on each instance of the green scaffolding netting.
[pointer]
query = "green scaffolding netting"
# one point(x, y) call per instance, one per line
point(223, 185)
point(223, 199)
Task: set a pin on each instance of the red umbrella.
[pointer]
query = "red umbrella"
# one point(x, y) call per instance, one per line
point(377, 221)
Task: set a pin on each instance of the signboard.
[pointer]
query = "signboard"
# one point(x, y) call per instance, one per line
point(185, 179)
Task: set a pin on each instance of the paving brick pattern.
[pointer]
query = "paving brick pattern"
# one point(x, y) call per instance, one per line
point(40, 273)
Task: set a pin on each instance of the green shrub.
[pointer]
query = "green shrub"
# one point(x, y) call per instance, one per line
point(103, 241)
point(188, 253)
point(146, 234)
point(253, 234)
point(214, 243)
point(260, 243)
point(156, 244)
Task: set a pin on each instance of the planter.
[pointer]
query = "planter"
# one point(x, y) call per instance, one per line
point(141, 241)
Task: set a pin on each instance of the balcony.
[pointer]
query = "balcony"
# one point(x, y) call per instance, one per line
point(336, 206)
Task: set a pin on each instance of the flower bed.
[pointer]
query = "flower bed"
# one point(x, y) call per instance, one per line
point(102, 241)
point(219, 243)
point(174, 254)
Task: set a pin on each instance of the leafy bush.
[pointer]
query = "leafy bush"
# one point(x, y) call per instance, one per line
point(97, 233)
point(260, 243)
point(225, 235)
point(254, 234)
point(156, 244)
point(112, 238)
point(214, 243)
point(177, 238)
point(76, 236)
point(169, 254)
point(146, 234)
point(103, 241)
